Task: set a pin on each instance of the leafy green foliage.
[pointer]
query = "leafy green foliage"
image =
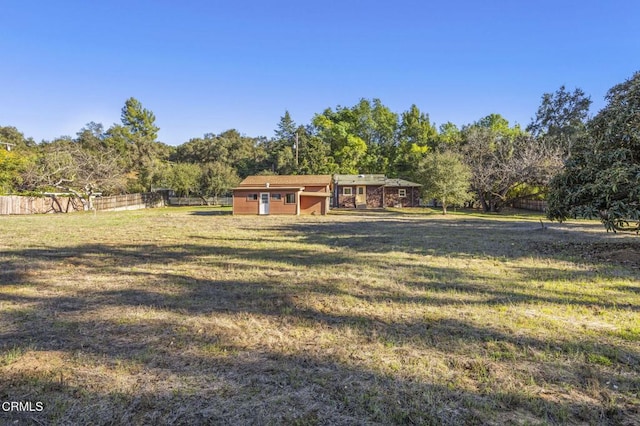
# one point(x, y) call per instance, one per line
point(217, 179)
point(245, 154)
point(416, 135)
point(445, 177)
point(139, 121)
point(561, 119)
point(602, 177)
point(184, 178)
point(348, 149)
point(281, 149)
point(11, 166)
point(315, 154)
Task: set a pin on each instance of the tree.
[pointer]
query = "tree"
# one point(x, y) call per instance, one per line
point(140, 131)
point(602, 177)
point(14, 139)
point(449, 135)
point(416, 136)
point(281, 149)
point(416, 128)
point(347, 149)
point(217, 179)
point(315, 154)
point(11, 166)
point(502, 158)
point(362, 138)
point(246, 155)
point(64, 165)
point(138, 120)
point(445, 177)
point(184, 178)
point(561, 118)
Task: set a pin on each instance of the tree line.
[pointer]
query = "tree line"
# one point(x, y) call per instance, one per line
point(488, 163)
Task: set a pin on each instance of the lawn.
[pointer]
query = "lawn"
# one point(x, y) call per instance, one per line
point(192, 316)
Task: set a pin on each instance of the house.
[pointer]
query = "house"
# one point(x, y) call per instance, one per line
point(287, 194)
point(374, 191)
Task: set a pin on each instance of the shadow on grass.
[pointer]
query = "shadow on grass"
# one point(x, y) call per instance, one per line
point(310, 385)
point(270, 387)
point(470, 237)
point(211, 213)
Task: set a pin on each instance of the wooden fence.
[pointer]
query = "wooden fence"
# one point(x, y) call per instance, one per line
point(128, 202)
point(15, 205)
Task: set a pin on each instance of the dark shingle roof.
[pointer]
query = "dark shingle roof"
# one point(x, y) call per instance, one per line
point(372, 179)
point(286, 180)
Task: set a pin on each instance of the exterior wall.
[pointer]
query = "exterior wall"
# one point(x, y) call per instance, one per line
point(315, 205)
point(312, 205)
point(280, 206)
point(346, 201)
point(242, 205)
point(316, 188)
point(391, 197)
point(374, 197)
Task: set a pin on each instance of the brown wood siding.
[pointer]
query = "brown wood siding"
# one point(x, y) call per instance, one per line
point(374, 197)
point(391, 197)
point(346, 201)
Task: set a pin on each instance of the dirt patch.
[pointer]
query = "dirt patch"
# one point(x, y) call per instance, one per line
point(626, 253)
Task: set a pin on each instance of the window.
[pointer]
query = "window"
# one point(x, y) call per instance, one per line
point(402, 192)
point(290, 198)
point(347, 191)
point(252, 197)
point(360, 190)
point(276, 197)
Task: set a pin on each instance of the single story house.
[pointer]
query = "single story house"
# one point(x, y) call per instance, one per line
point(374, 191)
point(287, 194)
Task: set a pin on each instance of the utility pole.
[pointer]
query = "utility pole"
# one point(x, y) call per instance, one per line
point(7, 145)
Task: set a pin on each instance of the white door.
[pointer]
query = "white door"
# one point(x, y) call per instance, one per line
point(264, 203)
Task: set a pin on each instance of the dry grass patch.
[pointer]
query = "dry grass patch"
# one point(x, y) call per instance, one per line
point(188, 316)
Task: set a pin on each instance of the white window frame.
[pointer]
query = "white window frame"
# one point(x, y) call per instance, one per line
point(347, 188)
point(402, 192)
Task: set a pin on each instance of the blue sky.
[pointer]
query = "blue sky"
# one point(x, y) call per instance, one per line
point(208, 66)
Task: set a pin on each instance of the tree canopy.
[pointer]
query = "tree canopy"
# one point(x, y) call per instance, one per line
point(602, 177)
point(445, 177)
point(588, 167)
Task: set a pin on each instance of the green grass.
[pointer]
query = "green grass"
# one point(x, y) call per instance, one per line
point(190, 316)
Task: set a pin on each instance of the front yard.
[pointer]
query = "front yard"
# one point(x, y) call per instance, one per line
point(187, 316)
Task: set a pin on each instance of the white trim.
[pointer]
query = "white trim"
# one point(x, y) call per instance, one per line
point(263, 208)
